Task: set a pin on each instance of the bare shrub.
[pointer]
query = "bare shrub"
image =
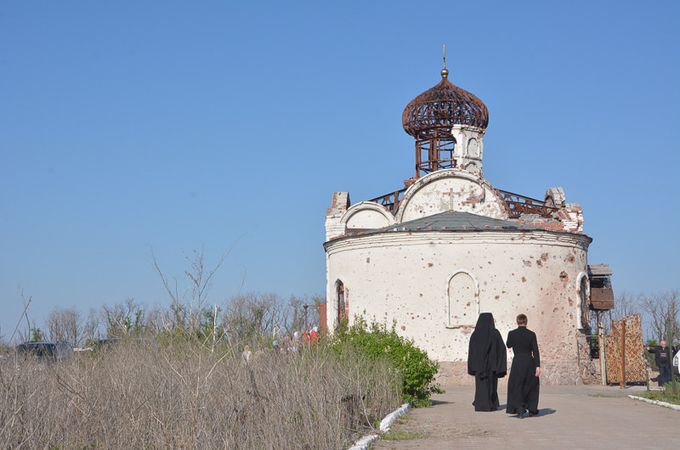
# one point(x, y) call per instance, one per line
point(67, 325)
point(301, 313)
point(625, 305)
point(143, 395)
point(124, 319)
point(663, 314)
point(248, 318)
point(256, 319)
point(189, 295)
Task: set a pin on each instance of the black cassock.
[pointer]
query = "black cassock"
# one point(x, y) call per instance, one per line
point(523, 383)
point(487, 361)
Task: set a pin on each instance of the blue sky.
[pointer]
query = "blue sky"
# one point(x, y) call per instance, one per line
point(174, 126)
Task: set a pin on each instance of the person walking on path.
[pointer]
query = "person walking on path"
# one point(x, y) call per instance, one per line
point(487, 361)
point(662, 356)
point(523, 384)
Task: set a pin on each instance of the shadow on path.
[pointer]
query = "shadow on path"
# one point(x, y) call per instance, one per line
point(541, 413)
point(545, 412)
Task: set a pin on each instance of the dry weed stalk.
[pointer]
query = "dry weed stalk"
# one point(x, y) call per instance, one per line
point(144, 395)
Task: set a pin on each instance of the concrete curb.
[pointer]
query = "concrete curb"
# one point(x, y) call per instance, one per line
point(389, 419)
point(385, 424)
point(656, 402)
point(364, 442)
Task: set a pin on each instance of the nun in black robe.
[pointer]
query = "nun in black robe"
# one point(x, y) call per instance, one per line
point(523, 384)
point(487, 361)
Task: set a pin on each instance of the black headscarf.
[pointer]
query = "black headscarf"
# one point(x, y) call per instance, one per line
point(487, 354)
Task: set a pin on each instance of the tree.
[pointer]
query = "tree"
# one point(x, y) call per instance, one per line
point(124, 319)
point(67, 325)
point(250, 317)
point(662, 311)
point(37, 335)
point(189, 303)
point(625, 305)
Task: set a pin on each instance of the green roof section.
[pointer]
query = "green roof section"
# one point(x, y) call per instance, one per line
point(458, 221)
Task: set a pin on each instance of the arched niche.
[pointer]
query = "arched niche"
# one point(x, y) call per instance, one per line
point(367, 215)
point(340, 301)
point(583, 307)
point(462, 300)
point(473, 148)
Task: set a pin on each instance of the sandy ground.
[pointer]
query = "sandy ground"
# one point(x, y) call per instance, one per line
point(573, 417)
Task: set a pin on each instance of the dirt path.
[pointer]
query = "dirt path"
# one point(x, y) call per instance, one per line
point(574, 417)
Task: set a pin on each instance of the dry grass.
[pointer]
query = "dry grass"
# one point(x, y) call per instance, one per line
point(150, 396)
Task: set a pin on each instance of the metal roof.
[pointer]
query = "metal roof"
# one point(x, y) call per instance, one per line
point(441, 107)
point(458, 221)
point(600, 270)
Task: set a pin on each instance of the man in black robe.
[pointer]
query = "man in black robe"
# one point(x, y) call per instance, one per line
point(487, 361)
point(523, 384)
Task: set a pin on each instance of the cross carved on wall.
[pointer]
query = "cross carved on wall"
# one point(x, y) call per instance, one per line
point(450, 195)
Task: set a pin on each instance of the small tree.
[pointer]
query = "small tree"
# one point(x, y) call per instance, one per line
point(68, 325)
point(37, 335)
point(189, 299)
point(663, 311)
point(124, 319)
point(251, 318)
point(625, 304)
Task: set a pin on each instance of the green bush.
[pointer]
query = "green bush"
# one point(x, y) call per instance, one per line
point(377, 341)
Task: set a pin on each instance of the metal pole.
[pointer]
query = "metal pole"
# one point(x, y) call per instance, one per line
point(623, 353)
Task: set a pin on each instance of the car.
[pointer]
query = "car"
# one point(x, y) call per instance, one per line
point(46, 351)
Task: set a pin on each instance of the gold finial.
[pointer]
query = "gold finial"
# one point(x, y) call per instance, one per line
point(444, 72)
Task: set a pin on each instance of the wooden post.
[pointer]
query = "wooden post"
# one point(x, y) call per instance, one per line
point(603, 354)
point(623, 353)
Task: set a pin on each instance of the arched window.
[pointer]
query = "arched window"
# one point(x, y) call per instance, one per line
point(473, 148)
point(463, 300)
point(340, 300)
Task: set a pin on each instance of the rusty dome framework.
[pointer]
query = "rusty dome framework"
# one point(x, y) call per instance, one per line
point(429, 118)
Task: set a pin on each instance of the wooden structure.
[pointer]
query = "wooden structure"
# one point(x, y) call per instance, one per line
point(601, 292)
point(626, 339)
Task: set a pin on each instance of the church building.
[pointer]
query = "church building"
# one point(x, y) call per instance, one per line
point(431, 256)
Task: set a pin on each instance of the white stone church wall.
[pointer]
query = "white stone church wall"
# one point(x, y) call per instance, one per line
point(451, 190)
point(434, 284)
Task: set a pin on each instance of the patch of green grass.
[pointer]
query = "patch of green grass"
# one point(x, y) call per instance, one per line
point(666, 394)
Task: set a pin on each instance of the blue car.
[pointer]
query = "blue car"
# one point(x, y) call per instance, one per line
point(46, 351)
